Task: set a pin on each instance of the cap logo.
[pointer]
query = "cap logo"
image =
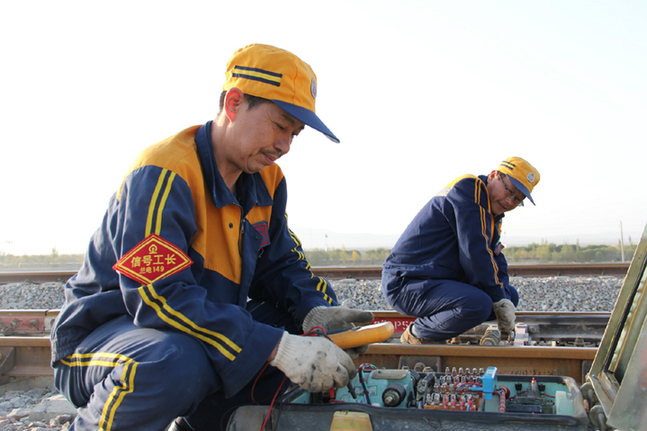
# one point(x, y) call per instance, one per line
point(531, 177)
point(255, 74)
point(313, 88)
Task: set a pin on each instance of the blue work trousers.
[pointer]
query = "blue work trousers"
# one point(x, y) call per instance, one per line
point(125, 377)
point(444, 308)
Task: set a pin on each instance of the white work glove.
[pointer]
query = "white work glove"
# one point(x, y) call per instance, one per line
point(338, 318)
point(504, 310)
point(314, 363)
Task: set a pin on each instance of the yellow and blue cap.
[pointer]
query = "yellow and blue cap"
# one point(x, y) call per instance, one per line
point(280, 76)
point(523, 175)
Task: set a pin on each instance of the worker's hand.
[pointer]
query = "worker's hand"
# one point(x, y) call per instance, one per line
point(504, 310)
point(335, 318)
point(314, 363)
point(338, 318)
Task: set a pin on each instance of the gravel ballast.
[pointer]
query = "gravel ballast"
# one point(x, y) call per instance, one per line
point(536, 294)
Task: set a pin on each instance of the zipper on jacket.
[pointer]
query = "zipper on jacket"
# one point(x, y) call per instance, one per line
point(241, 231)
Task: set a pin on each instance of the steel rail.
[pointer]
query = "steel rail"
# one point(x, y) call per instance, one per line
point(25, 357)
point(25, 348)
point(30, 356)
point(373, 272)
point(542, 323)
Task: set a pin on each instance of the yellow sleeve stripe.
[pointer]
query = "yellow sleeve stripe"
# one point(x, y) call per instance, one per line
point(153, 204)
point(167, 191)
point(300, 254)
point(322, 287)
point(295, 238)
point(181, 322)
point(157, 205)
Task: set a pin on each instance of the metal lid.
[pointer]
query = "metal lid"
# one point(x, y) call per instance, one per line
point(619, 371)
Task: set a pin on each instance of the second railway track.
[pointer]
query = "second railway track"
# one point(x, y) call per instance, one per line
point(373, 272)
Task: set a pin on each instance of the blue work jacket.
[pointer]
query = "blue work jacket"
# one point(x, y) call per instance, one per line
point(178, 251)
point(455, 236)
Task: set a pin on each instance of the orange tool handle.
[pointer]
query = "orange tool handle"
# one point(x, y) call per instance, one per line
point(362, 335)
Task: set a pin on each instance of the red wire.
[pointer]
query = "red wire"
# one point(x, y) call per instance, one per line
point(311, 333)
point(316, 331)
point(269, 411)
point(258, 376)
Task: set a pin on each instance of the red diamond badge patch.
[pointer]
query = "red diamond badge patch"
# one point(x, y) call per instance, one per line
point(152, 259)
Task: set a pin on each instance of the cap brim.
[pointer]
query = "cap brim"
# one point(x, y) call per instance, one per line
point(523, 189)
point(308, 117)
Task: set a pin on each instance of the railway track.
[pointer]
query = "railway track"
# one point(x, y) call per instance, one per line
point(374, 272)
point(553, 344)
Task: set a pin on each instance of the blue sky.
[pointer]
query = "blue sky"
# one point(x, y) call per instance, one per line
point(419, 92)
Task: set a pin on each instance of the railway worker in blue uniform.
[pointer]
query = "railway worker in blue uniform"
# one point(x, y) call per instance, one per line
point(447, 268)
point(193, 289)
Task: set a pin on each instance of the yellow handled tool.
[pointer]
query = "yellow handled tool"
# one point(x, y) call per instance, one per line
point(362, 335)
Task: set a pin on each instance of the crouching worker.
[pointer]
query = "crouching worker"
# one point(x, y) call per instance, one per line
point(193, 291)
point(447, 268)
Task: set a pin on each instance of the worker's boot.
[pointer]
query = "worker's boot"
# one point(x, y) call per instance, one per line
point(407, 337)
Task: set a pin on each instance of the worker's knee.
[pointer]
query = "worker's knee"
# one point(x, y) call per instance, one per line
point(475, 310)
point(183, 365)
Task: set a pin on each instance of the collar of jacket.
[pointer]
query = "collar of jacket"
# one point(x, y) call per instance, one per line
point(254, 189)
point(496, 218)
